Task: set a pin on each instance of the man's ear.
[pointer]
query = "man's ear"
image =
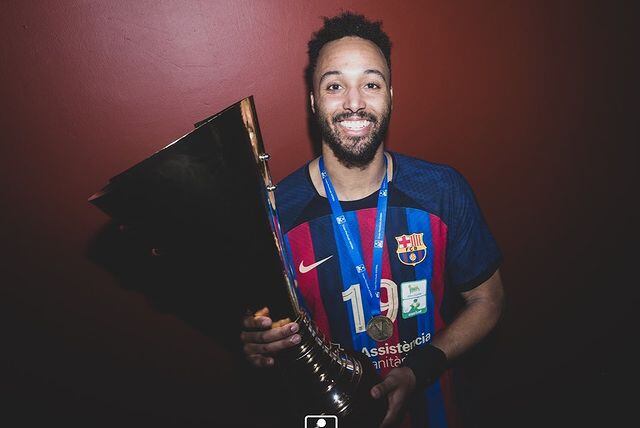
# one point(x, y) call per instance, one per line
point(391, 92)
point(312, 100)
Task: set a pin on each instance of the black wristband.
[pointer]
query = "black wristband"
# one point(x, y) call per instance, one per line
point(427, 363)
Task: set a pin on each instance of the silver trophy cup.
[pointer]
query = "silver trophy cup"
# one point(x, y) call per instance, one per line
point(206, 203)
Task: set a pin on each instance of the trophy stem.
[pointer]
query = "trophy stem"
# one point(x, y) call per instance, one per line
point(331, 380)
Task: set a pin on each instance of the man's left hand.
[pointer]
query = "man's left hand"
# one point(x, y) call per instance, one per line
point(397, 386)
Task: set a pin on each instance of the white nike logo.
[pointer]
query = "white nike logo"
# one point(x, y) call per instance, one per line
point(304, 269)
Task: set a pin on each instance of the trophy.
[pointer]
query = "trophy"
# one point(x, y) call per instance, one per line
point(206, 204)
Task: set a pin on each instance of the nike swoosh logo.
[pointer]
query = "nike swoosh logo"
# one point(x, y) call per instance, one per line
point(304, 269)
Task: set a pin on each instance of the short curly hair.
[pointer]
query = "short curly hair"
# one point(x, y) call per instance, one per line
point(344, 25)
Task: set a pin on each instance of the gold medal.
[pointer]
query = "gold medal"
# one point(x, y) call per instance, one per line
point(380, 328)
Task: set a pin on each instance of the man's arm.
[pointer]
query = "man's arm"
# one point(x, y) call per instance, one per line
point(482, 310)
point(483, 307)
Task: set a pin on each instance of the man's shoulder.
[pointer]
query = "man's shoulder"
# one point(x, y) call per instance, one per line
point(297, 183)
point(415, 173)
point(433, 187)
point(293, 193)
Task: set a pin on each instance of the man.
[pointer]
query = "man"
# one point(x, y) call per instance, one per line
point(393, 256)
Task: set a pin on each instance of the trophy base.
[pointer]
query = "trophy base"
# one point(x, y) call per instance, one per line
point(326, 380)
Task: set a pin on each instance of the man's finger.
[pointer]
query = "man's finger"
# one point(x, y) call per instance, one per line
point(261, 360)
point(272, 335)
point(383, 388)
point(258, 320)
point(281, 322)
point(271, 347)
point(264, 312)
point(261, 323)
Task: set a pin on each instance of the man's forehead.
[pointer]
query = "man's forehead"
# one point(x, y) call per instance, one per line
point(350, 51)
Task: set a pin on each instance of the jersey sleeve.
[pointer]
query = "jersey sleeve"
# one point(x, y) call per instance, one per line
point(472, 252)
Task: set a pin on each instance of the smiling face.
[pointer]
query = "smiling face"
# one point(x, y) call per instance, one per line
point(352, 99)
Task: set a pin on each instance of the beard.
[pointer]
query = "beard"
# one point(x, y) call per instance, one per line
point(358, 151)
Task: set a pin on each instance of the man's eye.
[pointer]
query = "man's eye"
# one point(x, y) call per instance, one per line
point(372, 85)
point(334, 87)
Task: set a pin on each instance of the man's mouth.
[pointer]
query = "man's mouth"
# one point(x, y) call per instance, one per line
point(354, 125)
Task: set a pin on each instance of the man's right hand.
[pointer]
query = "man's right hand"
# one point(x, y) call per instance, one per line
point(263, 338)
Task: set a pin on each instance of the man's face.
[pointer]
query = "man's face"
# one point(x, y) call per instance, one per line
point(352, 99)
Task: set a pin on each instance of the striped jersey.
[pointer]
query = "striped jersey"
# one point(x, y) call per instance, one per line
point(437, 244)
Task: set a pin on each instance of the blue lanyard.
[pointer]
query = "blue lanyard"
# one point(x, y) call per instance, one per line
point(372, 284)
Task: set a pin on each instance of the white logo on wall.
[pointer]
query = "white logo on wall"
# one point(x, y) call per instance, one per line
point(320, 421)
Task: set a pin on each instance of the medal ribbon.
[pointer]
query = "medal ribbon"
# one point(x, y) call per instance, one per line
point(372, 284)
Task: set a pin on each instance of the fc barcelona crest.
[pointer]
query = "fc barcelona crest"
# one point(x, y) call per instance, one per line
point(411, 249)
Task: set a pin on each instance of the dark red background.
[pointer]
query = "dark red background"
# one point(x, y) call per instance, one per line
point(529, 100)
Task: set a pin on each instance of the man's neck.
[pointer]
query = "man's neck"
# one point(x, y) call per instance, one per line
point(353, 183)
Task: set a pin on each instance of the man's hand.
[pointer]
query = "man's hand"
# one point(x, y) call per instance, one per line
point(263, 338)
point(397, 387)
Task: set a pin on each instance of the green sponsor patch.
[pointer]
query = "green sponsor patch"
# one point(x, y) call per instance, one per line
point(414, 298)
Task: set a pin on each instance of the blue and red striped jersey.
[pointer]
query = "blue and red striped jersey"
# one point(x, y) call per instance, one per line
point(437, 244)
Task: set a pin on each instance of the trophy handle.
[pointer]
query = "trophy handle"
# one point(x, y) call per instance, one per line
point(250, 120)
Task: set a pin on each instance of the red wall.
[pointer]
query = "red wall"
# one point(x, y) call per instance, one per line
point(527, 100)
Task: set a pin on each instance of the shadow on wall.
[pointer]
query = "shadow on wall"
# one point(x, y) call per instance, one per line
point(188, 287)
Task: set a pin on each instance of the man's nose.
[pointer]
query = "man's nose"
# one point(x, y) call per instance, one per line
point(354, 101)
